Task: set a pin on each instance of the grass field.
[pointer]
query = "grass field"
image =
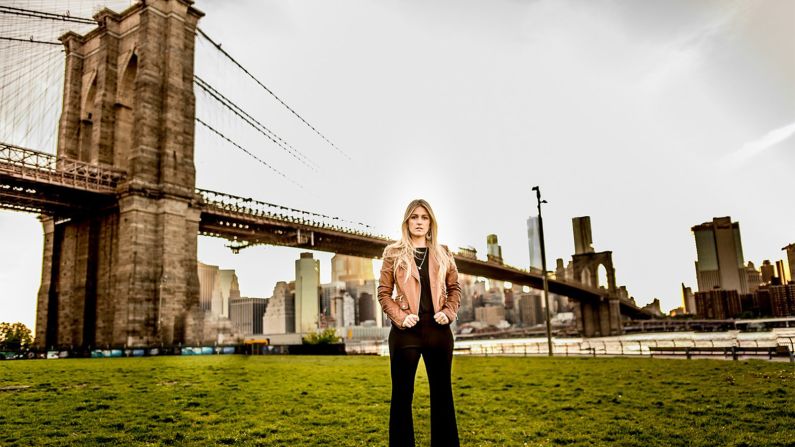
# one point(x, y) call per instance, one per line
point(344, 401)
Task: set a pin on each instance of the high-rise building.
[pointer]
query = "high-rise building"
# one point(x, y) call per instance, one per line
point(364, 297)
point(782, 272)
point(768, 271)
point(307, 297)
point(782, 300)
point(351, 268)
point(720, 261)
point(357, 274)
point(279, 317)
point(530, 308)
point(753, 277)
point(246, 314)
point(688, 299)
point(366, 305)
point(227, 288)
point(207, 276)
point(493, 249)
point(534, 242)
point(216, 287)
point(328, 301)
point(466, 312)
point(718, 304)
point(653, 308)
point(582, 235)
point(490, 315)
point(347, 310)
point(790, 249)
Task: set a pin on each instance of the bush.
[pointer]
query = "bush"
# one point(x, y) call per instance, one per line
point(327, 337)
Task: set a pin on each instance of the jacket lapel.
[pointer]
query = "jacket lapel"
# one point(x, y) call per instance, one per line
point(414, 295)
point(433, 271)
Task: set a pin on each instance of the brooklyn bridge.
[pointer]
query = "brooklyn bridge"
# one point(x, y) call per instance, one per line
point(121, 212)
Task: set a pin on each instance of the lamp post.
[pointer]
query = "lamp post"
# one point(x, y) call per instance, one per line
point(544, 267)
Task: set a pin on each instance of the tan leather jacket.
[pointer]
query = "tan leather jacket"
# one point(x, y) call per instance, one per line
point(446, 297)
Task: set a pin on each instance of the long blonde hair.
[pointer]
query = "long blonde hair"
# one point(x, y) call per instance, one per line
point(403, 251)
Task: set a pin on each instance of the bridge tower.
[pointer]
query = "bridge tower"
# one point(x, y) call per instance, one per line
point(602, 318)
point(126, 275)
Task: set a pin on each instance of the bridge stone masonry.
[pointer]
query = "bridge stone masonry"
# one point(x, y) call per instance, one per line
point(121, 213)
point(126, 274)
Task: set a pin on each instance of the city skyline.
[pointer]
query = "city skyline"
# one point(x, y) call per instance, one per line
point(649, 118)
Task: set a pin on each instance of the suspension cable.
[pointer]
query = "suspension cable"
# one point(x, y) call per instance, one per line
point(217, 132)
point(228, 56)
point(253, 122)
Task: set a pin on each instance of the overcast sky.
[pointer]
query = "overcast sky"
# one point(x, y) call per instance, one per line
point(650, 117)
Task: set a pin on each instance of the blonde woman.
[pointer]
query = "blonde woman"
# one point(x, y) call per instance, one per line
point(425, 303)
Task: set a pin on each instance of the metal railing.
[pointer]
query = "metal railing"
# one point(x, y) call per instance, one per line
point(728, 347)
point(38, 166)
point(250, 207)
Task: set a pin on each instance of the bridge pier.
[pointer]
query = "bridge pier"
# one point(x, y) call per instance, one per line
point(598, 318)
point(126, 274)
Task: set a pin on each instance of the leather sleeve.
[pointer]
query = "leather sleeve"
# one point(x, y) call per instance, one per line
point(385, 286)
point(453, 302)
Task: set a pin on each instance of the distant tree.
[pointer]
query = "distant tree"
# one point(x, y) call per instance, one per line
point(14, 337)
point(328, 336)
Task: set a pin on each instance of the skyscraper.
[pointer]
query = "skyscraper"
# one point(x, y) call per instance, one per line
point(228, 288)
point(246, 314)
point(351, 268)
point(688, 299)
point(790, 249)
point(768, 271)
point(207, 277)
point(534, 242)
point(279, 317)
point(782, 272)
point(493, 249)
point(720, 261)
point(307, 287)
point(216, 288)
point(360, 283)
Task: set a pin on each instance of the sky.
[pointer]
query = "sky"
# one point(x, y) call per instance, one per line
point(649, 117)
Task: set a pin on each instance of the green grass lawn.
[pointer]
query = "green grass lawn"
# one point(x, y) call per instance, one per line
point(338, 401)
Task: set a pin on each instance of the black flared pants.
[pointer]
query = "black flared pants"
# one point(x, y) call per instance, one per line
point(434, 343)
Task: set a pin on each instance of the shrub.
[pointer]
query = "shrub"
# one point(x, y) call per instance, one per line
point(328, 336)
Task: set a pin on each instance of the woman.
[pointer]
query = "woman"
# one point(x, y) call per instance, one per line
point(426, 302)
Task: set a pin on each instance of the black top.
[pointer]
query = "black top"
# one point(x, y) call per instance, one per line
point(426, 301)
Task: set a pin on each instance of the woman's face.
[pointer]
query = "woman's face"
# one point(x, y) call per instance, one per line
point(419, 222)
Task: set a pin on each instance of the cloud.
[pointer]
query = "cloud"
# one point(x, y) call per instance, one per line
point(756, 147)
point(686, 51)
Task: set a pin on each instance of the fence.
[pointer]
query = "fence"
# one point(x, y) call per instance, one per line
point(777, 345)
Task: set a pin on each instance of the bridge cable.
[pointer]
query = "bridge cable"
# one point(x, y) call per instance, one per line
point(31, 40)
point(228, 56)
point(45, 15)
point(247, 152)
point(253, 122)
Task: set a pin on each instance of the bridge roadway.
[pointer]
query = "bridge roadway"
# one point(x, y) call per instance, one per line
point(42, 183)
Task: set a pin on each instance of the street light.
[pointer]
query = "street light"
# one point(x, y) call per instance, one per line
point(544, 266)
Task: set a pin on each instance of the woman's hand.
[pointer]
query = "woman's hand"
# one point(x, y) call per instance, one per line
point(410, 320)
point(441, 318)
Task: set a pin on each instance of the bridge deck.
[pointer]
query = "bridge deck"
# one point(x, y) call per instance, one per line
point(42, 183)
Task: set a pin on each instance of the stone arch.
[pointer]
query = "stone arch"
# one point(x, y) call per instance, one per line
point(602, 280)
point(588, 265)
point(87, 114)
point(584, 276)
point(125, 113)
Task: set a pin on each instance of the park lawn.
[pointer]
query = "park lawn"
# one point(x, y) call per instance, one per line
point(344, 401)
